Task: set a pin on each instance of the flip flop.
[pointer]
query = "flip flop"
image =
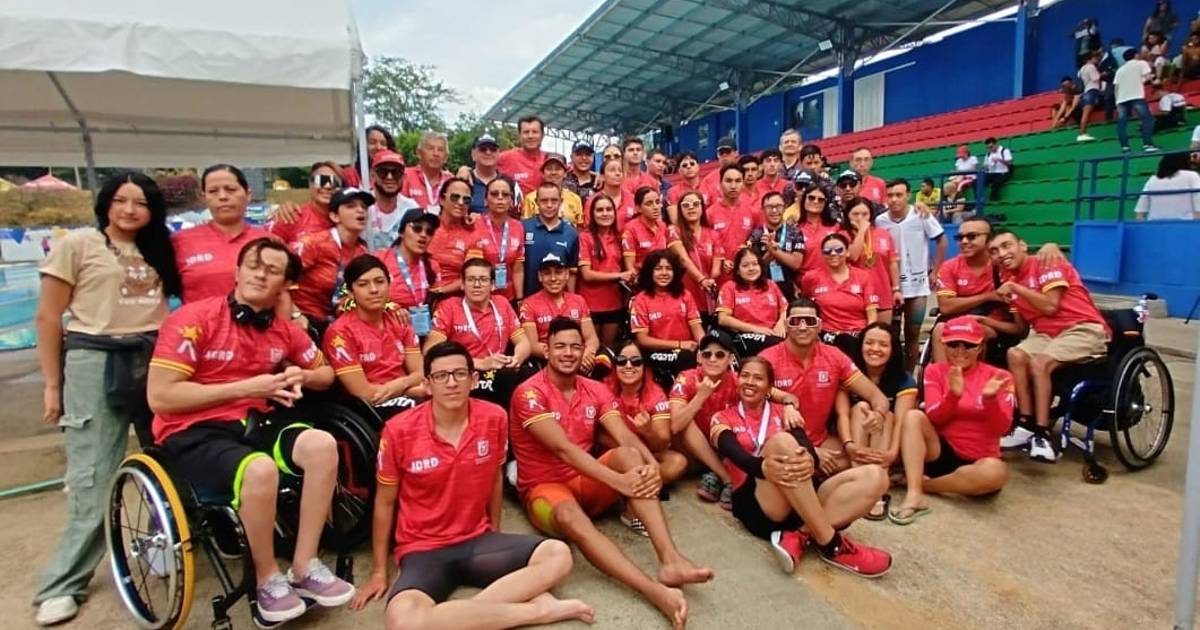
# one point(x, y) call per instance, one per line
point(881, 509)
point(913, 514)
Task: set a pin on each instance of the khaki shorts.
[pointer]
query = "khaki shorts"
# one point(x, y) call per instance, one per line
point(1077, 343)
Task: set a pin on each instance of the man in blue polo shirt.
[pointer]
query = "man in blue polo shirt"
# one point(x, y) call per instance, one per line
point(545, 233)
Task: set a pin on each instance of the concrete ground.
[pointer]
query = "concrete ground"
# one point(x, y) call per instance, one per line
point(1048, 552)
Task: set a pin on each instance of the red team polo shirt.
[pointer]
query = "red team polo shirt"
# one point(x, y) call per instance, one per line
point(705, 248)
point(733, 224)
point(752, 305)
point(488, 247)
point(398, 290)
point(422, 190)
point(875, 189)
point(843, 305)
point(957, 279)
point(813, 259)
point(642, 239)
point(652, 400)
point(1075, 307)
point(449, 247)
point(523, 167)
point(606, 295)
point(540, 308)
point(450, 320)
point(538, 400)
point(444, 489)
point(663, 316)
point(764, 187)
point(971, 424)
point(626, 210)
point(631, 185)
point(378, 351)
point(312, 219)
point(207, 257)
point(746, 430)
point(687, 384)
point(681, 188)
point(201, 341)
point(816, 385)
point(879, 268)
point(323, 258)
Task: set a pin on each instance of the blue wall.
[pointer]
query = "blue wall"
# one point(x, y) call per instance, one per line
point(1126, 258)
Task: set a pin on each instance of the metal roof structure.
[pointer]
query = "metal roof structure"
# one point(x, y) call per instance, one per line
point(635, 64)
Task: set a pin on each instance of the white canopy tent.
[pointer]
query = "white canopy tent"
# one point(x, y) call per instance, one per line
point(148, 83)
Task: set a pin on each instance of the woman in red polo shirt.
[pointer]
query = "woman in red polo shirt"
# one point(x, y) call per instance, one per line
point(375, 356)
point(817, 221)
point(698, 247)
point(455, 237)
point(645, 233)
point(843, 293)
point(324, 256)
point(751, 305)
point(874, 252)
point(664, 318)
point(497, 227)
point(612, 176)
point(409, 262)
point(600, 269)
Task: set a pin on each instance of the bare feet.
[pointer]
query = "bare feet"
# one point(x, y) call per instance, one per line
point(671, 603)
point(682, 571)
point(555, 609)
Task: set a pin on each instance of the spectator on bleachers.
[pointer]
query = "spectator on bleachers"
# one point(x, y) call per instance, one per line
point(1172, 110)
point(966, 164)
point(1173, 174)
point(1189, 57)
point(1087, 37)
point(928, 194)
point(1089, 76)
point(1130, 82)
point(1161, 20)
point(873, 187)
point(1154, 52)
point(998, 164)
point(1116, 49)
point(954, 208)
point(1067, 106)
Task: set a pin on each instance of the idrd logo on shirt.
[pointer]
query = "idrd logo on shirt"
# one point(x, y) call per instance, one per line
point(482, 447)
point(823, 377)
point(424, 464)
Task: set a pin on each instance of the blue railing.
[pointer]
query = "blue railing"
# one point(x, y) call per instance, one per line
point(1092, 167)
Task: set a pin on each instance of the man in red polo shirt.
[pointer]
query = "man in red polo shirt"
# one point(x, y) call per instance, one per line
point(439, 470)
point(289, 222)
point(727, 153)
point(815, 373)
point(217, 363)
point(554, 300)
point(324, 255)
point(423, 183)
point(731, 216)
point(1067, 328)
point(554, 416)
point(524, 164)
point(633, 153)
point(873, 188)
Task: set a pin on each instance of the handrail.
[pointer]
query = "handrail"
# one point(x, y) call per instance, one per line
point(1122, 197)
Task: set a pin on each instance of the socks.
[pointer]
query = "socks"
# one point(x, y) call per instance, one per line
point(830, 548)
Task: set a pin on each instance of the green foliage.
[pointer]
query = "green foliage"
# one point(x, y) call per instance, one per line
point(403, 96)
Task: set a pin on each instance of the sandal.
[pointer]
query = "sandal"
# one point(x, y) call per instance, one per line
point(881, 509)
point(914, 513)
point(634, 523)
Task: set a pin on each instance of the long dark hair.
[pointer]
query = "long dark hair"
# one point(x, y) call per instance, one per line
point(893, 371)
point(646, 273)
point(828, 218)
point(1170, 164)
point(760, 282)
point(388, 139)
point(153, 241)
point(685, 232)
point(430, 276)
point(598, 252)
point(854, 202)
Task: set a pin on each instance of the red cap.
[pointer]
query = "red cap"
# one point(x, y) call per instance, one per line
point(964, 328)
point(385, 156)
point(963, 151)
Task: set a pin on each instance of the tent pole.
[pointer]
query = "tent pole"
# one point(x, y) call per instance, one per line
point(86, 133)
point(1189, 544)
point(357, 89)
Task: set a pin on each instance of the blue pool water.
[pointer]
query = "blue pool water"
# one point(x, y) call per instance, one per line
point(18, 303)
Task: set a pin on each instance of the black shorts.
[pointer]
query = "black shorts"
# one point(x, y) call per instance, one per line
point(747, 510)
point(476, 562)
point(946, 463)
point(616, 316)
point(212, 456)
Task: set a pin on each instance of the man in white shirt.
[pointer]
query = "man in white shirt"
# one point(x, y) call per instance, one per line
point(967, 165)
point(998, 164)
point(1172, 110)
point(1090, 76)
point(912, 232)
point(1130, 82)
point(383, 217)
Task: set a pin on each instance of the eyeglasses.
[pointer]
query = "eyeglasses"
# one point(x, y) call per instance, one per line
point(968, 236)
point(820, 198)
point(719, 355)
point(803, 321)
point(961, 345)
point(487, 148)
point(847, 185)
point(773, 206)
point(499, 194)
point(837, 250)
point(444, 376)
point(621, 361)
point(477, 280)
point(326, 181)
point(687, 165)
point(689, 205)
point(389, 172)
point(421, 228)
point(457, 198)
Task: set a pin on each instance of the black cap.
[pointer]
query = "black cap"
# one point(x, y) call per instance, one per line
point(719, 337)
point(849, 174)
point(553, 259)
point(583, 146)
point(486, 140)
point(803, 178)
point(419, 214)
point(726, 143)
point(346, 194)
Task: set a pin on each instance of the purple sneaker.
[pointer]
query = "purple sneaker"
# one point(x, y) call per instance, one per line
point(277, 601)
point(322, 586)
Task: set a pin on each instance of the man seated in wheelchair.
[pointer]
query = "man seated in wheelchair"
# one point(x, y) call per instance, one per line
point(375, 356)
point(1066, 328)
point(485, 323)
point(218, 363)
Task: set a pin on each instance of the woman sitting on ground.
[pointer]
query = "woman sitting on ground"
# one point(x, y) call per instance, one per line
point(955, 442)
point(751, 305)
point(663, 317)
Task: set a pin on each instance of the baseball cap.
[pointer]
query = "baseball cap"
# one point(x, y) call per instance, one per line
point(963, 151)
point(346, 194)
point(583, 146)
point(726, 143)
point(849, 174)
point(553, 259)
point(554, 157)
point(803, 178)
point(964, 328)
point(486, 140)
point(419, 214)
point(387, 156)
point(719, 337)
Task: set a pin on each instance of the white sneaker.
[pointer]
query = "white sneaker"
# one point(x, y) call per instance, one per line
point(510, 473)
point(1150, 148)
point(1018, 438)
point(56, 610)
point(1083, 137)
point(1040, 450)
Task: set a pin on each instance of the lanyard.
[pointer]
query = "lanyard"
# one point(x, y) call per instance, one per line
point(762, 428)
point(339, 280)
point(428, 187)
point(402, 265)
point(475, 329)
point(782, 235)
point(503, 238)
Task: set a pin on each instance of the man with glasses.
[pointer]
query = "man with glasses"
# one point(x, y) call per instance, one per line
point(439, 473)
point(848, 186)
point(289, 222)
point(424, 182)
point(780, 244)
point(581, 179)
point(547, 233)
point(485, 154)
point(383, 217)
point(689, 181)
point(554, 417)
point(554, 171)
point(912, 232)
point(523, 164)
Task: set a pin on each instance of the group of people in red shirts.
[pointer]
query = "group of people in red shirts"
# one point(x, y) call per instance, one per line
point(592, 365)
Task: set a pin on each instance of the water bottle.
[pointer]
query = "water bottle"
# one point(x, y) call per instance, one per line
point(1141, 310)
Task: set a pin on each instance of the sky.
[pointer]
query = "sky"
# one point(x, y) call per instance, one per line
point(478, 48)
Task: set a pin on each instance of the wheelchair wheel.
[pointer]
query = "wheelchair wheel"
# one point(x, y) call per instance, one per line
point(923, 361)
point(354, 496)
point(1143, 399)
point(149, 544)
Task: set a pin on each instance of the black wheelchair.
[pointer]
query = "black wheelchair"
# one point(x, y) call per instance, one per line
point(154, 524)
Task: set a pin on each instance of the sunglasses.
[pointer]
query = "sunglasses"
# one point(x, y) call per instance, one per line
point(389, 173)
point(421, 228)
point(847, 185)
point(803, 321)
point(326, 181)
point(834, 251)
point(968, 236)
point(961, 345)
point(687, 165)
point(499, 194)
point(820, 198)
point(689, 205)
point(621, 361)
point(719, 355)
point(457, 198)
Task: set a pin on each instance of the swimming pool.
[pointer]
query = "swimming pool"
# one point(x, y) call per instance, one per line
point(18, 303)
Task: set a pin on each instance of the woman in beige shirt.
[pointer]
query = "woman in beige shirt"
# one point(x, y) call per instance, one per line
point(113, 284)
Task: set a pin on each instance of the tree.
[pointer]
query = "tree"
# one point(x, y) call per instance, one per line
point(403, 96)
point(467, 128)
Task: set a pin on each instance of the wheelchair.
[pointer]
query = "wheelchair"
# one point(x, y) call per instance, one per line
point(154, 525)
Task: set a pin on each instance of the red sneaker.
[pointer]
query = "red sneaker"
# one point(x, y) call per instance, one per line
point(789, 548)
point(859, 558)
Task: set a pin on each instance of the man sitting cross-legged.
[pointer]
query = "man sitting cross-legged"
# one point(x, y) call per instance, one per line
point(554, 416)
point(442, 460)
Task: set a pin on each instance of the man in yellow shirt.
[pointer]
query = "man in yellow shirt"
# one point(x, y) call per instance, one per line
point(554, 170)
point(929, 194)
